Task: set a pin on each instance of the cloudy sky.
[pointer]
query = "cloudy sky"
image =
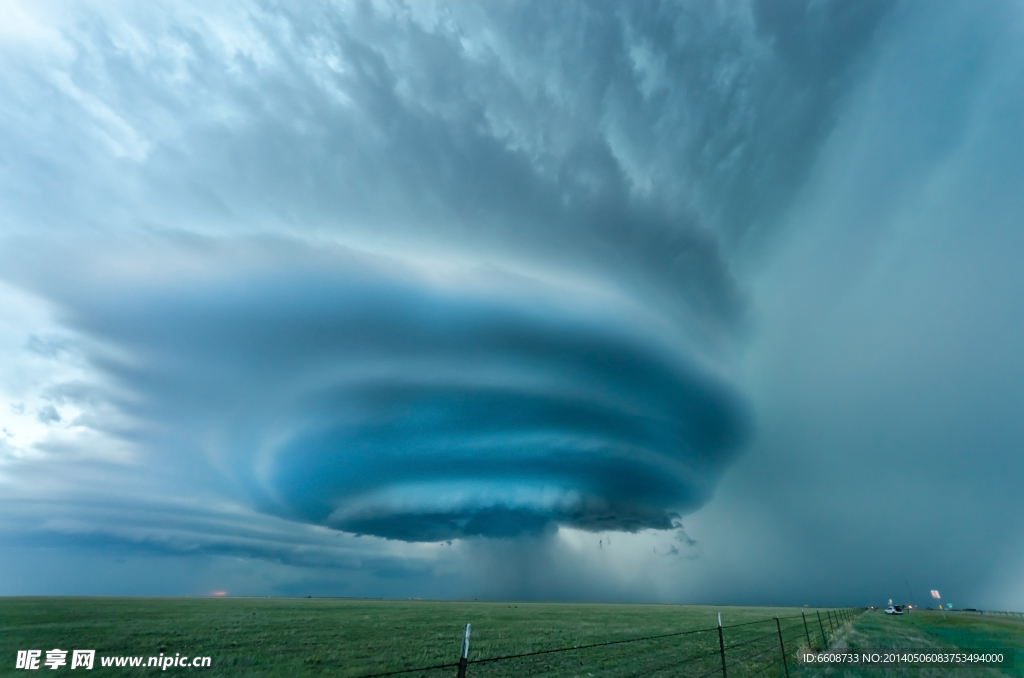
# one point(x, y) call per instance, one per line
point(698, 302)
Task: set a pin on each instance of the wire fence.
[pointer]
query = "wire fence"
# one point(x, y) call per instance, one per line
point(765, 647)
point(998, 613)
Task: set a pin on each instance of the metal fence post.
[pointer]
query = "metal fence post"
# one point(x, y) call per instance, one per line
point(464, 660)
point(806, 632)
point(782, 645)
point(824, 643)
point(828, 613)
point(721, 643)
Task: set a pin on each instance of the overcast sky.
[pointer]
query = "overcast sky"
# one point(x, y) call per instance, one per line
point(697, 302)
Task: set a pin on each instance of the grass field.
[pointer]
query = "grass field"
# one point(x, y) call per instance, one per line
point(314, 637)
point(928, 629)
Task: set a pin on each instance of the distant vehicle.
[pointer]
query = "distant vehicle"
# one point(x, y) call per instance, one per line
point(894, 609)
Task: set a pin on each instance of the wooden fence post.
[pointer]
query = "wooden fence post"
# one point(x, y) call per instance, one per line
point(824, 643)
point(810, 648)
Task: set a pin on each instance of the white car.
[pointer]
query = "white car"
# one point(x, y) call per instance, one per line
point(894, 609)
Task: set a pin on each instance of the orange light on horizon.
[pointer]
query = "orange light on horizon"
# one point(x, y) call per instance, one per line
point(218, 594)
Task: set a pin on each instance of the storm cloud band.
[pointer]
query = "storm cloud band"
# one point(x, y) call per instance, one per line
point(406, 402)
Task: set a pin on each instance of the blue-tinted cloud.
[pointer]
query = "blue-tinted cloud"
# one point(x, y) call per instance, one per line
point(477, 403)
point(474, 272)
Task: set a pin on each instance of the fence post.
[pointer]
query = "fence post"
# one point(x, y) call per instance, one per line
point(464, 660)
point(824, 643)
point(782, 645)
point(721, 643)
point(810, 648)
point(828, 613)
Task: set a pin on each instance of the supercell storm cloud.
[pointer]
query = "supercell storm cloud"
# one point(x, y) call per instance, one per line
point(403, 403)
point(413, 280)
point(421, 298)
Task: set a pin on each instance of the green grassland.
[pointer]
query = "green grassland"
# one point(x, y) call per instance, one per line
point(311, 637)
point(339, 637)
point(930, 629)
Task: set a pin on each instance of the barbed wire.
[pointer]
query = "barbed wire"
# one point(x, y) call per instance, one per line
point(686, 660)
point(422, 668)
point(726, 649)
point(585, 647)
point(752, 640)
